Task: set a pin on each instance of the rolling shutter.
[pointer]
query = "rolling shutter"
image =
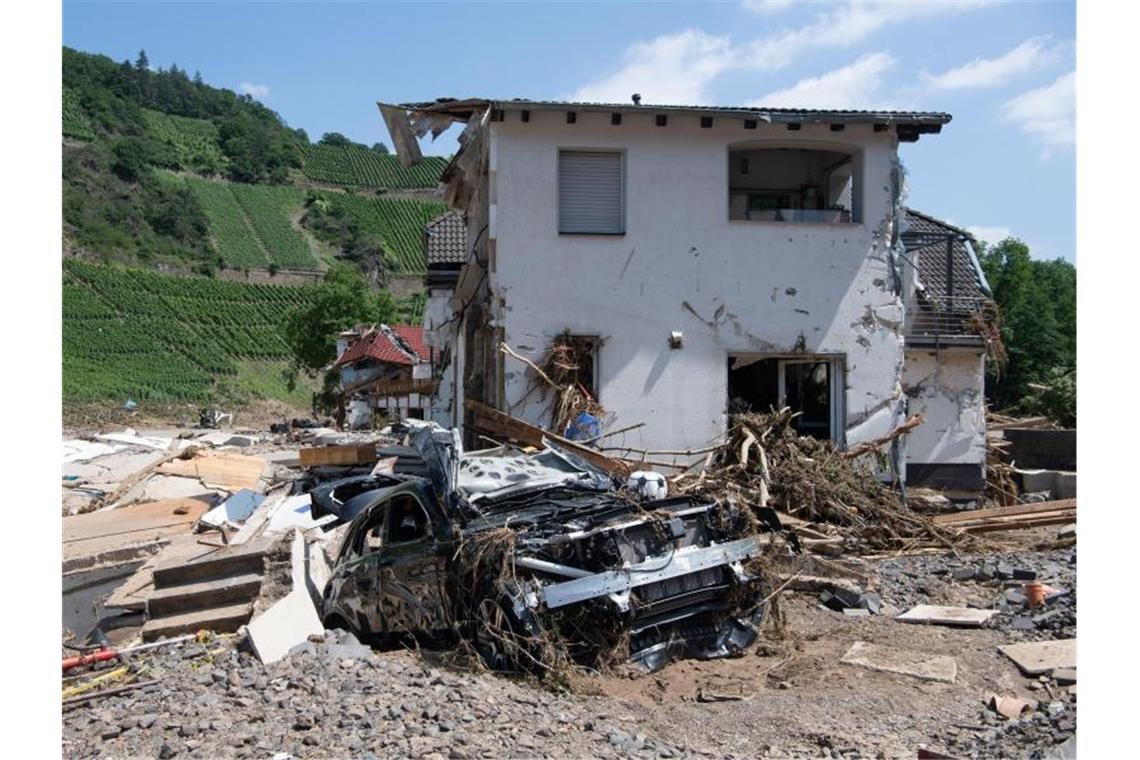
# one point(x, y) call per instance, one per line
point(591, 196)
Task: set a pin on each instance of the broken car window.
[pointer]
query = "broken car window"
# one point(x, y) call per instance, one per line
point(406, 520)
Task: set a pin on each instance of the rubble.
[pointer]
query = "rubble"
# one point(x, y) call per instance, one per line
point(770, 487)
point(764, 462)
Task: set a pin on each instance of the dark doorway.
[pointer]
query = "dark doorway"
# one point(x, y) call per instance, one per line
point(806, 385)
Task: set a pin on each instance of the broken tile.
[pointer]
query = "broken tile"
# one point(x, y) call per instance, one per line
point(930, 613)
point(283, 626)
point(1039, 657)
point(930, 667)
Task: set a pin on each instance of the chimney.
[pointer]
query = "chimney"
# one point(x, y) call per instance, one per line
point(637, 98)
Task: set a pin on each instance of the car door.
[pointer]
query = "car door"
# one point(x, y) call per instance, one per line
point(354, 592)
point(412, 570)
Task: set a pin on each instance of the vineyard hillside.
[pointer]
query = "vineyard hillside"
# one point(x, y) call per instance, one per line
point(357, 166)
point(252, 225)
point(142, 335)
point(398, 223)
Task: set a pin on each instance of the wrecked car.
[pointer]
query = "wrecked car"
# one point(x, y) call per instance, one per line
point(516, 554)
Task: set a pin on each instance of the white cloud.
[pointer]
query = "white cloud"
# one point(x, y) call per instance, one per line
point(854, 86)
point(847, 25)
point(767, 7)
point(990, 235)
point(254, 90)
point(1048, 113)
point(678, 68)
point(991, 72)
point(671, 69)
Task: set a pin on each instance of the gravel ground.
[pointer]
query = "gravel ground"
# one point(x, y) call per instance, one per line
point(789, 697)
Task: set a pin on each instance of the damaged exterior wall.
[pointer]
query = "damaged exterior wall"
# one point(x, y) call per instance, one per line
point(732, 287)
point(949, 449)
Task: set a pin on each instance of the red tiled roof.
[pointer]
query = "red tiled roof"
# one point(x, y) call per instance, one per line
point(378, 346)
point(413, 335)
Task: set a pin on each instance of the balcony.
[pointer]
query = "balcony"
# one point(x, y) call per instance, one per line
point(947, 320)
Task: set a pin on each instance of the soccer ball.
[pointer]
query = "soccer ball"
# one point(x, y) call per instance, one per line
point(649, 485)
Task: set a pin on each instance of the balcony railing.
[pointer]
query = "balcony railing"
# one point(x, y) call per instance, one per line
point(403, 387)
point(945, 316)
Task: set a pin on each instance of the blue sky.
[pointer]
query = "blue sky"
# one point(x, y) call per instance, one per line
point(1005, 165)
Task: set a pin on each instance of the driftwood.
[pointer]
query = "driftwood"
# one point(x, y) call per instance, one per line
point(867, 447)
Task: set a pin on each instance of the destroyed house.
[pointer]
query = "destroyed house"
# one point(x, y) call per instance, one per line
point(384, 369)
point(708, 259)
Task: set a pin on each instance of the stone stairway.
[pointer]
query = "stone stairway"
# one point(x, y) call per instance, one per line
point(215, 592)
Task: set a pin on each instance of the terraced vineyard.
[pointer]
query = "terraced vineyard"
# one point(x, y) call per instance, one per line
point(144, 335)
point(398, 222)
point(193, 142)
point(268, 209)
point(350, 166)
point(251, 224)
point(75, 121)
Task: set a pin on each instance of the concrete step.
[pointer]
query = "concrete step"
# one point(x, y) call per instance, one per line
point(218, 619)
point(239, 560)
point(186, 597)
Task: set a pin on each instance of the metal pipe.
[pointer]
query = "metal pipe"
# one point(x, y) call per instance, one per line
point(110, 654)
point(551, 567)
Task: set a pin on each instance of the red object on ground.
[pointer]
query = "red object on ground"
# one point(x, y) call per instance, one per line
point(101, 655)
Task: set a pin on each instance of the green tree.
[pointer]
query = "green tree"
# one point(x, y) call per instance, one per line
point(344, 299)
point(1038, 304)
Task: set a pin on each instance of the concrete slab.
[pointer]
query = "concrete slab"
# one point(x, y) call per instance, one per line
point(285, 458)
point(1039, 657)
point(235, 510)
point(283, 626)
point(160, 487)
point(929, 667)
point(936, 615)
point(204, 594)
point(295, 512)
point(79, 450)
point(217, 619)
point(133, 593)
point(130, 437)
point(111, 469)
point(257, 521)
point(224, 438)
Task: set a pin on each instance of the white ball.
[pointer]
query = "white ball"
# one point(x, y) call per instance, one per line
point(649, 485)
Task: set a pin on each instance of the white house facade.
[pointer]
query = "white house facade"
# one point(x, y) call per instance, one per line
point(716, 259)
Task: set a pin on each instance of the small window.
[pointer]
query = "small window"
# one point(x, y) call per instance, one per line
point(591, 192)
point(406, 520)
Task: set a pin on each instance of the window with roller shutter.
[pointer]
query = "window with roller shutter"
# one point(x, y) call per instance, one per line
point(591, 192)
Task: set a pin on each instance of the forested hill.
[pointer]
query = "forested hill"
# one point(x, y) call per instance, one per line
point(163, 170)
point(196, 183)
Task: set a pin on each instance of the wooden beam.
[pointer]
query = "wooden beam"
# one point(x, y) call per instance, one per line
point(503, 426)
point(351, 454)
point(1016, 509)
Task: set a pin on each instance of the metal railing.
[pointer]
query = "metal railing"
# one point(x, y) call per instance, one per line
point(944, 315)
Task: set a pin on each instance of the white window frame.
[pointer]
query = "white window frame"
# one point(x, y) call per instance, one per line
point(558, 190)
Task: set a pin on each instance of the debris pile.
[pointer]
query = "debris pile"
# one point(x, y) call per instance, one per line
point(765, 462)
point(561, 371)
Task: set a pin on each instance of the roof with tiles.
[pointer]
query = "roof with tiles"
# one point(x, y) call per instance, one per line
point(445, 240)
point(930, 258)
point(407, 348)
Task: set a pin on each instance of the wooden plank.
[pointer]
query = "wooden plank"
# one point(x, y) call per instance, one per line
point(1036, 523)
point(1016, 509)
point(110, 529)
point(348, 454)
point(1067, 513)
point(231, 472)
point(493, 422)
